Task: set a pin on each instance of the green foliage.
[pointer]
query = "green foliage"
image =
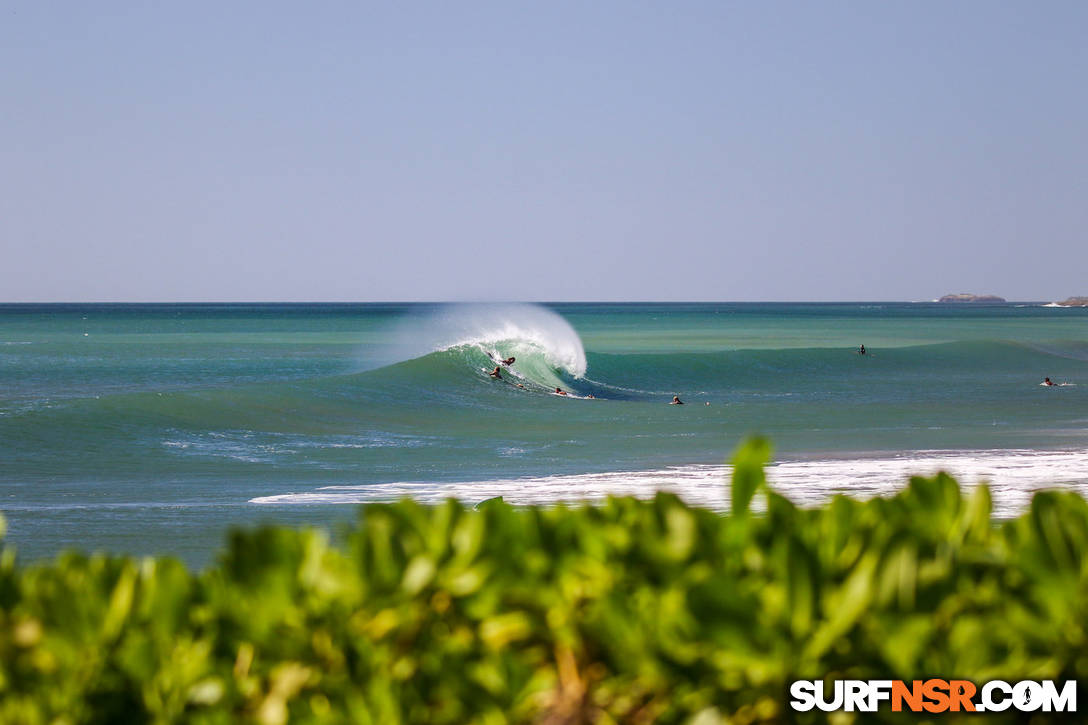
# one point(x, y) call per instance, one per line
point(629, 611)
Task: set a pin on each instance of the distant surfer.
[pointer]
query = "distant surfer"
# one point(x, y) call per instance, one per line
point(508, 361)
point(676, 400)
point(495, 373)
point(1048, 381)
point(590, 396)
point(558, 391)
point(861, 350)
point(521, 386)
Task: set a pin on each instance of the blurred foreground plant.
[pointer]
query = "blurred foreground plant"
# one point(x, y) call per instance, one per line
point(628, 611)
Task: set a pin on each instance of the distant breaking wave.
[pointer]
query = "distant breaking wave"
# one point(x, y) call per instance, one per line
point(547, 349)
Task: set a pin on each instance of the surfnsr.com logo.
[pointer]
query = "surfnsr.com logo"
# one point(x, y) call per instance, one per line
point(934, 696)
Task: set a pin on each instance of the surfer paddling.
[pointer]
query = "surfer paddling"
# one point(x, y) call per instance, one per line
point(558, 391)
point(1048, 381)
point(495, 373)
point(676, 400)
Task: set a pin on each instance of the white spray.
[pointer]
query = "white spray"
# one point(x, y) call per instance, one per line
point(512, 327)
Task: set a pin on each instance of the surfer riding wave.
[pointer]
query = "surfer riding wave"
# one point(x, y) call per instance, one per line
point(525, 344)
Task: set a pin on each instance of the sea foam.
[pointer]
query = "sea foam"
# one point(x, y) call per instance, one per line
point(1013, 476)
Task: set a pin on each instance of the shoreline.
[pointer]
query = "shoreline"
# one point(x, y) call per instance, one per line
point(807, 479)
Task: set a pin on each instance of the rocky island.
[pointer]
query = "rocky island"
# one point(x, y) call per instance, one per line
point(971, 298)
point(1074, 302)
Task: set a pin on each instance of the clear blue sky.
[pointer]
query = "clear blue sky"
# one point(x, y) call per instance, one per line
point(542, 151)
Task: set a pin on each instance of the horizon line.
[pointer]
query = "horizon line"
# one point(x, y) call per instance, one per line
point(510, 301)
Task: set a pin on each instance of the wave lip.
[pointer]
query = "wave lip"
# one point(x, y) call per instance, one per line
point(547, 349)
point(1013, 476)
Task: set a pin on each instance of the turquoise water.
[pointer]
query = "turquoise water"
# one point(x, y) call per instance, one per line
point(154, 428)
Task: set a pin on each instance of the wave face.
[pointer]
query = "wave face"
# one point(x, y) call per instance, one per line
point(547, 350)
point(150, 412)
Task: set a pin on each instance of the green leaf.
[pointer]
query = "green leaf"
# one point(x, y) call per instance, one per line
point(748, 476)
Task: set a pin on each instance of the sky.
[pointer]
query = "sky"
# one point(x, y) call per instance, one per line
point(717, 151)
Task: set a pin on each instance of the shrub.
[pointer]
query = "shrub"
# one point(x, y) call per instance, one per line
point(627, 611)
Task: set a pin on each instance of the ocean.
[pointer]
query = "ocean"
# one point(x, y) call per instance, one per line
point(154, 429)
